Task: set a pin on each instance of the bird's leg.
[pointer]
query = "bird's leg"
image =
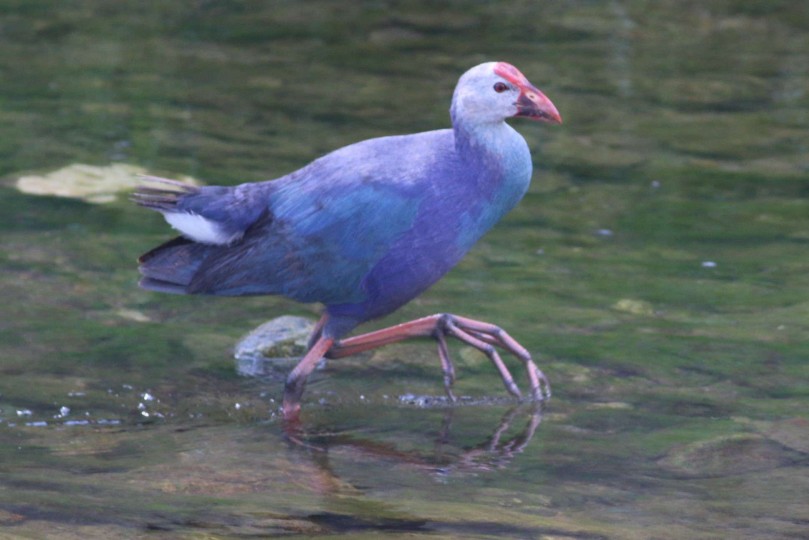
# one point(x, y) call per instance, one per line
point(424, 327)
point(481, 335)
point(446, 365)
point(296, 381)
point(317, 331)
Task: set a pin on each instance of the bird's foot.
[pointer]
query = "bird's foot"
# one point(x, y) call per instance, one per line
point(482, 336)
point(486, 337)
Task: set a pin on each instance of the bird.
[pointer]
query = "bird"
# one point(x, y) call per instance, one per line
point(364, 229)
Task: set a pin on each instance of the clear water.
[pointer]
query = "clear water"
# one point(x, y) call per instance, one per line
point(658, 269)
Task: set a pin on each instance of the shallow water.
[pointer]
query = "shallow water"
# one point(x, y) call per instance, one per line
point(657, 269)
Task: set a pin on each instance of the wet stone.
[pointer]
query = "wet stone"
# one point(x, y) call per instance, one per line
point(276, 344)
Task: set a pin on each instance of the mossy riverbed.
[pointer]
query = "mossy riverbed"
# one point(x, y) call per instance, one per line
point(658, 269)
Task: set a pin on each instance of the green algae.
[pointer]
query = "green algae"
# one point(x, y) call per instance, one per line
point(91, 184)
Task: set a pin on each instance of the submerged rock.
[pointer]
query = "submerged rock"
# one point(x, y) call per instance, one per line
point(276, 343)
point(728, 455)
point(89, 183)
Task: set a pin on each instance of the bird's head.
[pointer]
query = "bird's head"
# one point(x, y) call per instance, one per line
point(494, 91)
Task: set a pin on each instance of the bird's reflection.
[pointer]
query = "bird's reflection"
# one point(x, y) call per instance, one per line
point(496, 451)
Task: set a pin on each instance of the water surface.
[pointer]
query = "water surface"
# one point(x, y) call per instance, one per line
point(657, 269)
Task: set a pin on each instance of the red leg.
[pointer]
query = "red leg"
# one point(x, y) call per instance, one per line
point(480, 335)
point(424, 327)
point(296, 381)
point(317, 331)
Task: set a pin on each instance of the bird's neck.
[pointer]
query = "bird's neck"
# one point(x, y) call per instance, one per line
point(498, 166)
point(494, 147)
point(482, 140)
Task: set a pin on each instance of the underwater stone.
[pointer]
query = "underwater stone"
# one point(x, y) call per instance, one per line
point(269, 345)
point(724, 456)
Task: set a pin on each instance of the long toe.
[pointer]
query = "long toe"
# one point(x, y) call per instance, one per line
point(512, 388)
point(541, 392)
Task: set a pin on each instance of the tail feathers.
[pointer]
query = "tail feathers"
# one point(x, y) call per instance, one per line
point(162, 199)
point(162, 286)
point(208, 215)
point(171, 266)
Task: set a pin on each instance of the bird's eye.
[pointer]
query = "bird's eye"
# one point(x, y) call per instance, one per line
point(500, 87)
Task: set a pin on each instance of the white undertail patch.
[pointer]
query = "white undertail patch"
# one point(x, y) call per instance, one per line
point(200, 229)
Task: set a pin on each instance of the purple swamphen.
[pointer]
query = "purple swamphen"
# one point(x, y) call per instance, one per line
point(364, 229)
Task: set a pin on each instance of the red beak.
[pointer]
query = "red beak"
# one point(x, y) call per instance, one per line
point(535, 105)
